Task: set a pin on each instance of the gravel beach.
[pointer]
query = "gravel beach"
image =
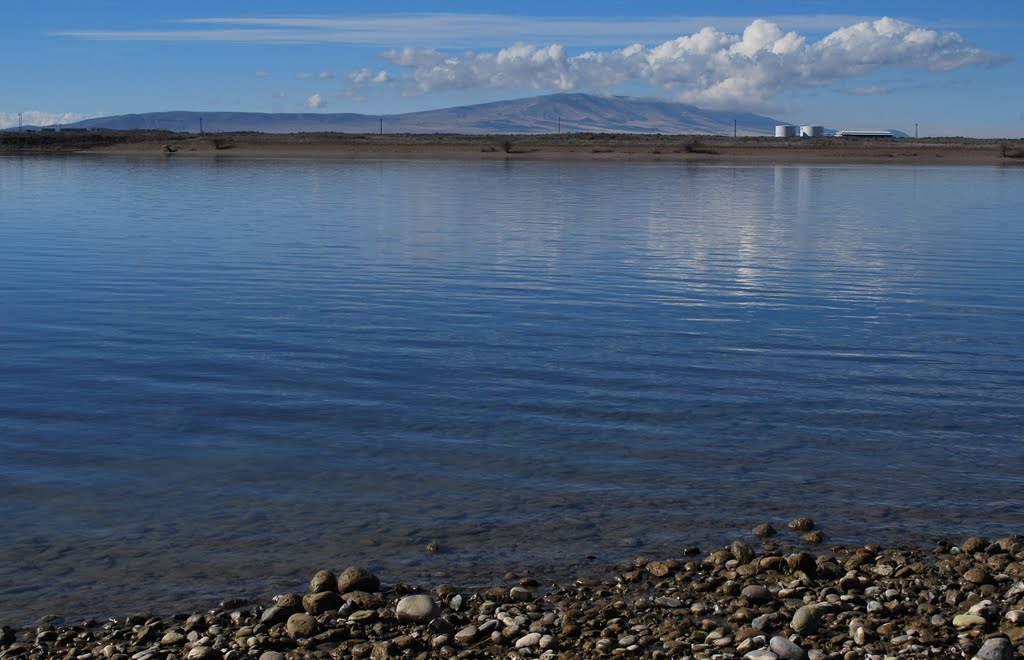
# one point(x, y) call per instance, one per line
point(779, 594)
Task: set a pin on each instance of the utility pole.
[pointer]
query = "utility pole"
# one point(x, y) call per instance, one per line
point(915, 130)
point(559, 124)
point(19, 121)
point(734, 127)
point(382, 126)
point(200, 125)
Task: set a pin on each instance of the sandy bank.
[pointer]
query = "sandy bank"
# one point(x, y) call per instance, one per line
point(583, 147)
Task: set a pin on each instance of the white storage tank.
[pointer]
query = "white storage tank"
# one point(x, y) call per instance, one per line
point(812, 131)
point(785, 131)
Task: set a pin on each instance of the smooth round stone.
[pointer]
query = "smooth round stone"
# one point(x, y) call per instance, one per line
point(756, 593)
point(764, 531)
point(520, 594)
point(805, 620)
point(761, 654)
point(997, 648)
point(528, 641)
point(547, 642)
point(172, 639)
point(323, 581)
point(627, 640)
point(355, 578)
point(203, 653)
point(417, 608)
point(668, 601)
point(301, 625)
point(467, 635)
point(963, 621)
point(785, 649)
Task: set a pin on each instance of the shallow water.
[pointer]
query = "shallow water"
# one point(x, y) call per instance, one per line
point(217, 377)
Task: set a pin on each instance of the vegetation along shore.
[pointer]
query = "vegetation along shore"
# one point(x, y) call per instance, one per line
point(763, 598)
point(567, 146)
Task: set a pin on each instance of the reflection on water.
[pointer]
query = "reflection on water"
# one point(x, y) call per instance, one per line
point(218, 377)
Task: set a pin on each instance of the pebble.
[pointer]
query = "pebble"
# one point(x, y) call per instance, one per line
point(805, 620)
point(964, 621)
point(467, 635)
point(528, 641)
point(756, 593)
point(417, 608)
point(761, 654)
point(785, 649)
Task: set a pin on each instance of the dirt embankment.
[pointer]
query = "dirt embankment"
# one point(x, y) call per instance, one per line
point(568, 146)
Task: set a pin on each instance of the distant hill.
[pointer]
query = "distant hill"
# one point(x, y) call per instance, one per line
point(568, 113)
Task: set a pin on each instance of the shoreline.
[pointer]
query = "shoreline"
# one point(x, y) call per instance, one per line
point(595, 147)
point(759, 599)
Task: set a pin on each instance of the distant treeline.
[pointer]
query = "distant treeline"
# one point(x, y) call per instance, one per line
point(74, 139)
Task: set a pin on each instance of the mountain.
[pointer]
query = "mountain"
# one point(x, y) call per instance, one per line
point(568, 113)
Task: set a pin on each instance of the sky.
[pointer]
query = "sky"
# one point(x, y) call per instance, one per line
point(944, 67)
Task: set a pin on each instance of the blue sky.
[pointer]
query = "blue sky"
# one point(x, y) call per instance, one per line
point(954, 68)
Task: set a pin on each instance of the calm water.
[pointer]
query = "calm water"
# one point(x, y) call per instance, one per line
point(219, 377)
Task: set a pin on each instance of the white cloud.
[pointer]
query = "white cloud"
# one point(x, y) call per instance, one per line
point(315, 102)
point(450, 30)
point(708, 67)
point(324, 75)
point(262, 74)
point(40, 118)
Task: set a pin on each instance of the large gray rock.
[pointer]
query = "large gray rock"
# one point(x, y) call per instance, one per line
point(785, 649)
point(355, 578)
point(417, 608)
point(997, 648)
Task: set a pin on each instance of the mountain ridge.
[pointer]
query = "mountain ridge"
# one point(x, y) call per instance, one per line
point(565, 113)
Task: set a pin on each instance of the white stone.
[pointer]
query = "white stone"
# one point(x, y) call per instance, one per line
point(528, 641)
point(417, 608)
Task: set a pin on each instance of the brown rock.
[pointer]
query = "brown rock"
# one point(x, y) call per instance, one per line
point(801, 524)
point(301, 625)
point(323, 581)
point(764, 531)
point(320, 602)
point(355, 578)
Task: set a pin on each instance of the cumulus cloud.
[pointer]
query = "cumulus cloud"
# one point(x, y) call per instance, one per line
point(40, 118)
point(262, 74)
point(315, 102)
point(708, 67)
